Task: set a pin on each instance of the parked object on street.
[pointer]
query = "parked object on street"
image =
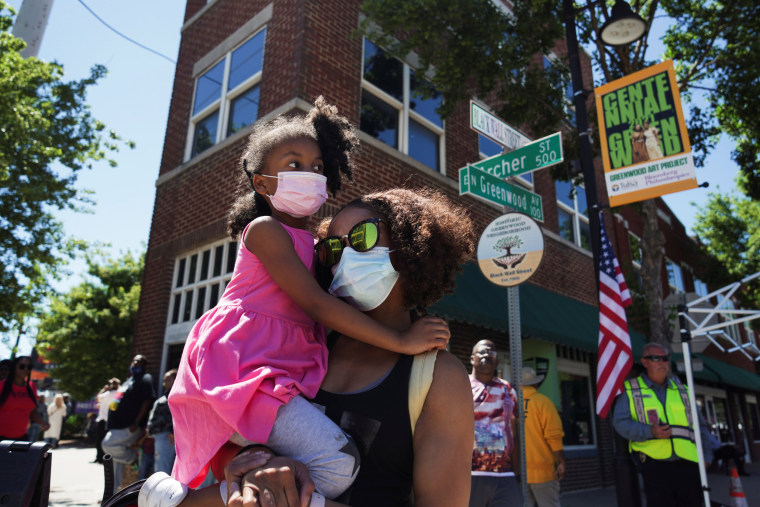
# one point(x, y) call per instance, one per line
point(25, 480)
point(737, 492)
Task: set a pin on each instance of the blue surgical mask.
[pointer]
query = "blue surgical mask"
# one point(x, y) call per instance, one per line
point(364, 279)
point(136, 370)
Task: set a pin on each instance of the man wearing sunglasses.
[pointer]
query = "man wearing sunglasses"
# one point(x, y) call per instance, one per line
point(654, 415)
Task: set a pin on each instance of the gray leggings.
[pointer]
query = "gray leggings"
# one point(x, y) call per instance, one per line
point(302, 432)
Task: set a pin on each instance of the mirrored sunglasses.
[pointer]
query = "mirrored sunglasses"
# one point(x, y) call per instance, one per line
point(657, 359)
point(362, 237)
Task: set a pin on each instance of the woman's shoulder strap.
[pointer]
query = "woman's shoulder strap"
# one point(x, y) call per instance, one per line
point(420, 379)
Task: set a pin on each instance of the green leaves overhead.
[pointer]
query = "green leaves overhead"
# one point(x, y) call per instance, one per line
point(47, 135)
point(728, 228)
point(87, 333)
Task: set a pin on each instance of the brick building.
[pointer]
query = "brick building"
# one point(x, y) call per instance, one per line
point(240, 61)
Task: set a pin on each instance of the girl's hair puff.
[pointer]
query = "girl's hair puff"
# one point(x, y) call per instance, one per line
point(432, 238)
point(333, 133)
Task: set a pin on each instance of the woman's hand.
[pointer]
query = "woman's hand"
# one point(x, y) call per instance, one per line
point(277, 484)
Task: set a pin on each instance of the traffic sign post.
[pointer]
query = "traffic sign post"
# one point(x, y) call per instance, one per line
point(495, 128)
point(478, 183)
point(536, 155)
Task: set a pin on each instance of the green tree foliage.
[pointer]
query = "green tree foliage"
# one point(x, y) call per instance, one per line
point(87, 332)
point(728, 228)
point(47, 135)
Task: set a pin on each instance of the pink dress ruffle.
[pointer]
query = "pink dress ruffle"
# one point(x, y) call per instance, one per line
point(243, 359)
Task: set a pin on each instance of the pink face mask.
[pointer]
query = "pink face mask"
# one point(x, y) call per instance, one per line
point(299, 193)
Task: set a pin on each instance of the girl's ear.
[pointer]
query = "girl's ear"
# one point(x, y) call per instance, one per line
point(259, 184)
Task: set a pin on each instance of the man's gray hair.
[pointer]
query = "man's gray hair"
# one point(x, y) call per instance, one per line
point(652, 345)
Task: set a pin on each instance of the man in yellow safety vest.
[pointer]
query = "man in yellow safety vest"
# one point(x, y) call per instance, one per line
point(654, 415)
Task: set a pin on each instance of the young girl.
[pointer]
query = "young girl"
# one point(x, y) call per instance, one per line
point(247, 361)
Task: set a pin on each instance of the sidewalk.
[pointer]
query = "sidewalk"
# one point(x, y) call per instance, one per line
point(719, 491)
point(75, 481)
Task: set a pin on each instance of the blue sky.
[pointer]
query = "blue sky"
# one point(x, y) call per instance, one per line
point(133, 100)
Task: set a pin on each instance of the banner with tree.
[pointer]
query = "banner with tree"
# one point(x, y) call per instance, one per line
point(645, 145)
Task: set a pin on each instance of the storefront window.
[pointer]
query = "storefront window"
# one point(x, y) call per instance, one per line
point(754, 419)
point(577, 409)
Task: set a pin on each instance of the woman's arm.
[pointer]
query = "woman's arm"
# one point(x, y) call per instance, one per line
point(444, 434)
point(268, 240)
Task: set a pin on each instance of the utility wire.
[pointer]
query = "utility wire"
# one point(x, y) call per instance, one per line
point(114, 30)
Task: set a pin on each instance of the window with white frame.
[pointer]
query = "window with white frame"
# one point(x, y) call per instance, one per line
point(675, 277)
point(488, 149)
point(567, 106)
point(394, 111)
point(732, 331)
point(199, 280)
point(577, 412)
point(572, 215)
point(700, 287)
point(226, 97)
point(750, 333)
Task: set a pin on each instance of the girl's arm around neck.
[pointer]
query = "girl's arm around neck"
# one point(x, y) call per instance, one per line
point(443, 438)
point(268, 240)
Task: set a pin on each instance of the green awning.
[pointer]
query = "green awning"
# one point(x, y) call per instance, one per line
point(730, 374)
point(544, 315)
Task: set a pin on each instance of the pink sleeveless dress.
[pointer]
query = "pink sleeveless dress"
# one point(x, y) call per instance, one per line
point(243, 359)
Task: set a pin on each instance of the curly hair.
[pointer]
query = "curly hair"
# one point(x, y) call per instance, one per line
point(333, 133)
point(431, 236)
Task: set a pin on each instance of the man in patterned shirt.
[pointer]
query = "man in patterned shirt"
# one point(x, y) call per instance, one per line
point(493, 479)
point(160, 427)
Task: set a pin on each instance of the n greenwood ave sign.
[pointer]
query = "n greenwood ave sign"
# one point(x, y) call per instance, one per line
point(478, 183)
point(536, 155)
point(495, 128)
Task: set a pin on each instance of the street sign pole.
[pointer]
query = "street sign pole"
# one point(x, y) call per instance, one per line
point(515, 357)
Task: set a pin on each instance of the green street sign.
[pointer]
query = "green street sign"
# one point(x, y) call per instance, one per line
point(541, 153)
point(478, 183)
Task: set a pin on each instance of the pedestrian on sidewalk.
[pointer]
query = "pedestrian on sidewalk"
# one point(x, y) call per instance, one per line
point(160, 427)
point(544, 456)
point(18, 401)
point(35, 428)
point(128, 415)
point(56, 414)
point(493, 476)
point(104, 398)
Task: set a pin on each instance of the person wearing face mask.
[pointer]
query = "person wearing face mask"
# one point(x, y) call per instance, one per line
point(127, 416)
point(250, 363)
point(392, 254)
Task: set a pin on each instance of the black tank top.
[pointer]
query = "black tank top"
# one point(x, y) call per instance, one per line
point(378, 420)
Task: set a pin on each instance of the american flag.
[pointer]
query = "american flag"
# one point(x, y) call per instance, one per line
point(615, 355)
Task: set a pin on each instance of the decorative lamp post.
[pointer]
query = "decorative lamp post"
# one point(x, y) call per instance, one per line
point(623, 27)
